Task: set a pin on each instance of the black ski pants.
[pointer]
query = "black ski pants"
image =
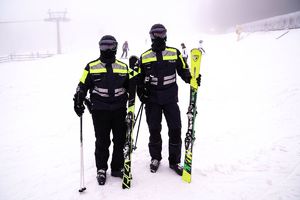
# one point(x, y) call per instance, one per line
point(154, 117)
point(104, 122)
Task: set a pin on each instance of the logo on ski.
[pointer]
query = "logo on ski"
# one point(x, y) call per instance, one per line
point(196, 57)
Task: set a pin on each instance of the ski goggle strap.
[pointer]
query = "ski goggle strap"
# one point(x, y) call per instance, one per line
point(108, 45)
point(158, 33)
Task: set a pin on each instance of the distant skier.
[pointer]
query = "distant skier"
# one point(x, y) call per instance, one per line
point(159, 91)
point(238, 31)
point(125, 49)
point(185, 54)
point(201, 46)
point(106, 79)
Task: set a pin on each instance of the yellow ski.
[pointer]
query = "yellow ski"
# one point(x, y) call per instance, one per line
point(192, 111)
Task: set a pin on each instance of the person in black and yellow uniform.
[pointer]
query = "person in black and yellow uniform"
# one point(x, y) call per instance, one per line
point(106, 79)
point(159, 91)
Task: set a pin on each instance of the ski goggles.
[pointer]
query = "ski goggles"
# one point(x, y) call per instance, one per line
point(158, 33)
point(108, 45)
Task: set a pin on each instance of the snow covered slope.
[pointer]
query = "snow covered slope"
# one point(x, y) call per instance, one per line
point(247, 130)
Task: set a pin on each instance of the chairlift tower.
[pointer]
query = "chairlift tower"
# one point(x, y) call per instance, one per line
point(57, 17)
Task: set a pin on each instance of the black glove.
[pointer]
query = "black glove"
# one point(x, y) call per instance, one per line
point(79, 109)
point(143, 94)
point(199, 80)
point(78, 103)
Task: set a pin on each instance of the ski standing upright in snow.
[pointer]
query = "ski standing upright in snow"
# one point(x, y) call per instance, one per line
point(133, 72)
point(192, 112)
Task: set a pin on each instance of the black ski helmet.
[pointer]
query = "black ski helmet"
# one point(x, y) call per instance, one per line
point(158, 31)
point(108, 42)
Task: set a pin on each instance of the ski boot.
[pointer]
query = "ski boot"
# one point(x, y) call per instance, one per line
point(101, 176)
point(177, 168)
point(117, 173)
point(154, 165)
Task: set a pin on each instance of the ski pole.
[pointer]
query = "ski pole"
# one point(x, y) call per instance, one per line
point(138, 130)
point(82, 187)
point(137, 115)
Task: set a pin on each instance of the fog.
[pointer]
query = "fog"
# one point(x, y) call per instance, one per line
point(23, 27)
point(230, 12)
point(89, 20)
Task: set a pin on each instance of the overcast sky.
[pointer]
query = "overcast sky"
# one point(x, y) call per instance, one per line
point(209, 13)
point(122, 18)
point(229, 12)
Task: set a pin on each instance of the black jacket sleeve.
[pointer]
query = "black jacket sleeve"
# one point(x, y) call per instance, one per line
point(183, 68)
point(85, 82)
point(140, 80)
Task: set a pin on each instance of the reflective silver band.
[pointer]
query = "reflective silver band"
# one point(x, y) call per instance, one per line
point(154, 80)
point(169, 77)
point(99, 65)
point(101, 92)
point(169, 81)
point(119, 91)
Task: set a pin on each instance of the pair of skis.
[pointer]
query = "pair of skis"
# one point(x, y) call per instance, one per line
point(192, 111)
point(130, 120)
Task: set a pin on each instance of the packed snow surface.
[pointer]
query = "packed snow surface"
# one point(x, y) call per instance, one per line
point(247, 143)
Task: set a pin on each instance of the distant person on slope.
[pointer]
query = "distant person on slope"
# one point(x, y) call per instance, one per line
point(238, 31)
point(106, 79)
point(201, 46)
point(125, 49)
point(185, 54)
point(159, 91)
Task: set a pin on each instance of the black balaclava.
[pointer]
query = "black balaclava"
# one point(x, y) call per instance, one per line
point(158, 43)
point(108, 55)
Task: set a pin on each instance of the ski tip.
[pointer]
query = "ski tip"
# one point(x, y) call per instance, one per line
point(186, 177)
point(126, 186)
point(196, 50)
